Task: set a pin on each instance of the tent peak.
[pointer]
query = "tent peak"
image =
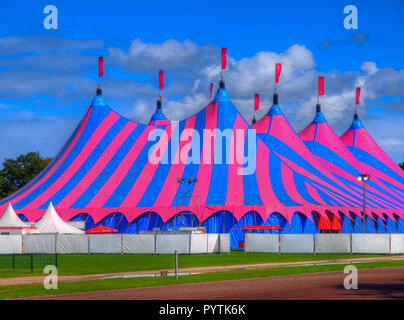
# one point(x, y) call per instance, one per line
point(98, 100)
point(356, 123)
point(275, 109)
point(222, 95)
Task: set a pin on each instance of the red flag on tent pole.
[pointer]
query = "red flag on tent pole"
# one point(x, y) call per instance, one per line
point(320, 86)
point(358, 94)
point(160, 97)
point(211, 91)
point(100, 66)
point(256, 101)
point(224, 58)
point(161, 79)
point(278, 70)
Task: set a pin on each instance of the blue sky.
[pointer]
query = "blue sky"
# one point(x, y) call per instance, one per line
point(48, 77)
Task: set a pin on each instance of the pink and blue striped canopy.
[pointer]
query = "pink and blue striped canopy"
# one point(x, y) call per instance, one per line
point(104, 168)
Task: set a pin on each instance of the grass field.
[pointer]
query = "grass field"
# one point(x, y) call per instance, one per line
point(77, 264)
point(20, 291)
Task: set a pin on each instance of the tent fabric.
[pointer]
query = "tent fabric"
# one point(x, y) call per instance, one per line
point(52, 223)
point(105, 171)
point(372, 157)
point(10, 220)
point(325, 145)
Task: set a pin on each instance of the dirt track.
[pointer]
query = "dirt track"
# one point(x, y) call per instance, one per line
point(382, 283)
point(39, 279)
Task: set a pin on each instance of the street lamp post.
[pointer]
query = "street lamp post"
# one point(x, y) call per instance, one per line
point(364, 177)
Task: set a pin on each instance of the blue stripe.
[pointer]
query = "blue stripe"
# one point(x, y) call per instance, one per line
point(277, 182)
point(372, 161)
point(120, 193)
point(88, 163)
point(219, 178)
point(109, 169)
point(250, 182)
point(153, 190)
point(191, 169)
point(301, 187)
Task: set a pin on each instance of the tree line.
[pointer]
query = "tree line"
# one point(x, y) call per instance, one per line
point(16, 173)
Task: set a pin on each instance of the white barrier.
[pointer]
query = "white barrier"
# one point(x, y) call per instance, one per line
point(371, 243)
point(11, 244)
point(397, 243)
point(213, 242)
point(105, 243)
point(199, 243)
point(261, 242)
point(72, 243)
point(297, 243)
point(333, 243)
point(138, 243)
point(169, 243)
point(224, 246)
point(39, 243)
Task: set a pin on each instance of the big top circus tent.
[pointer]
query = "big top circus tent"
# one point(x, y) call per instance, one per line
point(212, 169)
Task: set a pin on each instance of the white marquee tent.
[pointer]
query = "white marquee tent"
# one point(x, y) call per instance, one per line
point(10, 223)
point(52, 223)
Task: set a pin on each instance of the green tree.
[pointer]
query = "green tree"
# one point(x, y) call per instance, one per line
point(18, 172)
point(401, 165)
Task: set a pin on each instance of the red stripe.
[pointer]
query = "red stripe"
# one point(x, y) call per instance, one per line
point(141, 184)
point(97, 168)
point(171, 185)
point(119, 174)
point(235, 192)
point(201, 188)
point(264, 182)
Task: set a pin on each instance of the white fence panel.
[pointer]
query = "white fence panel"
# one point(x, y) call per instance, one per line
point(39, 243)
point(213, 242)
point(11, 244)
point(333, 243)
point(370, 243)
point(224, 239)
point(138, 243)
point(105, 243)
point(72, 243)
point(199, 243)
point(297, 243)
point(397, 243)
point(169, 243)
point(261, 242)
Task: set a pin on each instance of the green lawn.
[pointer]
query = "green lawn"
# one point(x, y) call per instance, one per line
point(75, 264)
point(19, 291)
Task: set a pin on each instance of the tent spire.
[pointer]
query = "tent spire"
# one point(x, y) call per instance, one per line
point(356, 116)
point(222, 84)
point(276, 98)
